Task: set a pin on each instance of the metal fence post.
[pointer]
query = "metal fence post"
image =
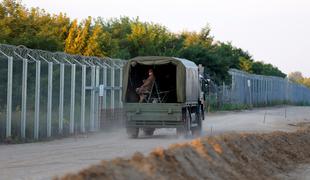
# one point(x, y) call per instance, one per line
point(271, 91)
point(223, 94)
point(112, 88)
point(61, 98)
point(37, 100)
point(120, 87)
point(92, 98)
point(105, 83)
point(72, 100)
point(233, 88)
point(9, 98)
point(266, 91)
point(49, 99)
point(250, 92)
point(286, 91)
point(24, 99)
point(83, 98)
point(97, 120)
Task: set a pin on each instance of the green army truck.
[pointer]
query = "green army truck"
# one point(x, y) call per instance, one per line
point(173, 101)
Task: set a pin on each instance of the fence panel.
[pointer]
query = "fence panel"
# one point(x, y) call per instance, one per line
point(250, 90)
point(266, 90)
point(46, 94)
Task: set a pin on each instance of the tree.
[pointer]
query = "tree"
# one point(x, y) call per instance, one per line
point(114, 38)
point(245, 64)
point(70, 40)
point(80, 42)
point(296, 77)
point(306, 82)
point(93, 47)
point(205, 36)
point(123, 38)
point(33, 28)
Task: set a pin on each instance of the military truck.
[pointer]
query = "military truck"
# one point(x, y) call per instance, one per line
point(173, 101)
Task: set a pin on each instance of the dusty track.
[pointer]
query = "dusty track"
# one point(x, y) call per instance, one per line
point(229, 156)
point(46, 159)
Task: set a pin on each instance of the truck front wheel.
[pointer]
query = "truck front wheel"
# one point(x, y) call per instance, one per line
point(196, 131)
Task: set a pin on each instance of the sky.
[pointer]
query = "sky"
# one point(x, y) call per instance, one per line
point(273, 31)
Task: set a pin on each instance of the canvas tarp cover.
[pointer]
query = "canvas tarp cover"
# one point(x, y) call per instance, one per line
point(187, 84)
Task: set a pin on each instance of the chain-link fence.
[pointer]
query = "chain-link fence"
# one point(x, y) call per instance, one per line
point(46, 94)
point(257, 90)
point(250, 90)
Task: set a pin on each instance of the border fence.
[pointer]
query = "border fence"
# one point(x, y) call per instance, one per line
point(250, 90)
point(258, 90)
point(46, 94)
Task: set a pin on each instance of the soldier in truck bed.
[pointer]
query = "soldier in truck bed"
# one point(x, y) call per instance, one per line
point(147, 86)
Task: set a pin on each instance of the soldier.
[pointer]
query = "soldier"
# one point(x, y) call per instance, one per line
point(147, 86)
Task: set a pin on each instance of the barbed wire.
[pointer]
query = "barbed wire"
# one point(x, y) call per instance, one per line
point(19, 52)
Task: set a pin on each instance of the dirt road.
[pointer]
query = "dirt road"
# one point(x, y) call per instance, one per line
point(46, 159)
point(302, 172)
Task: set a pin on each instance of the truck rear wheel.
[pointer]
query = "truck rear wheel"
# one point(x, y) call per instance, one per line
point(181, 131)
point(186, 129)
point(196, 131)
point(132, 132)
point(149, 131)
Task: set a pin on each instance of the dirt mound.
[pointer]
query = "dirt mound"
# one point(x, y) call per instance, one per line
point(231, 156)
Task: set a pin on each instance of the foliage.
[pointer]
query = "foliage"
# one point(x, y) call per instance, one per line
point(306, 82)
point(299, 78)
point(296, 77)
point(122, 38)
point(33, 28)
point(266, 69)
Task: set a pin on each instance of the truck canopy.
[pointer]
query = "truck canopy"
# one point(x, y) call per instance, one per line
point(179, 76)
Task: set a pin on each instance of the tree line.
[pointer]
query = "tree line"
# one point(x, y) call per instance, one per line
point(123, 38)
point(299, 78)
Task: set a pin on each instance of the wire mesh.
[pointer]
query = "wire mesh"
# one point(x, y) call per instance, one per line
point(258, 90)
point(59, 106)
point(250, 90)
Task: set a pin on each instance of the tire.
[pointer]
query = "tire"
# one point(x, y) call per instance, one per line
point(132, 132)
point(196, 131)
point(185, 130)
point(181, 132)
point(148, 131)
point(202, 113)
